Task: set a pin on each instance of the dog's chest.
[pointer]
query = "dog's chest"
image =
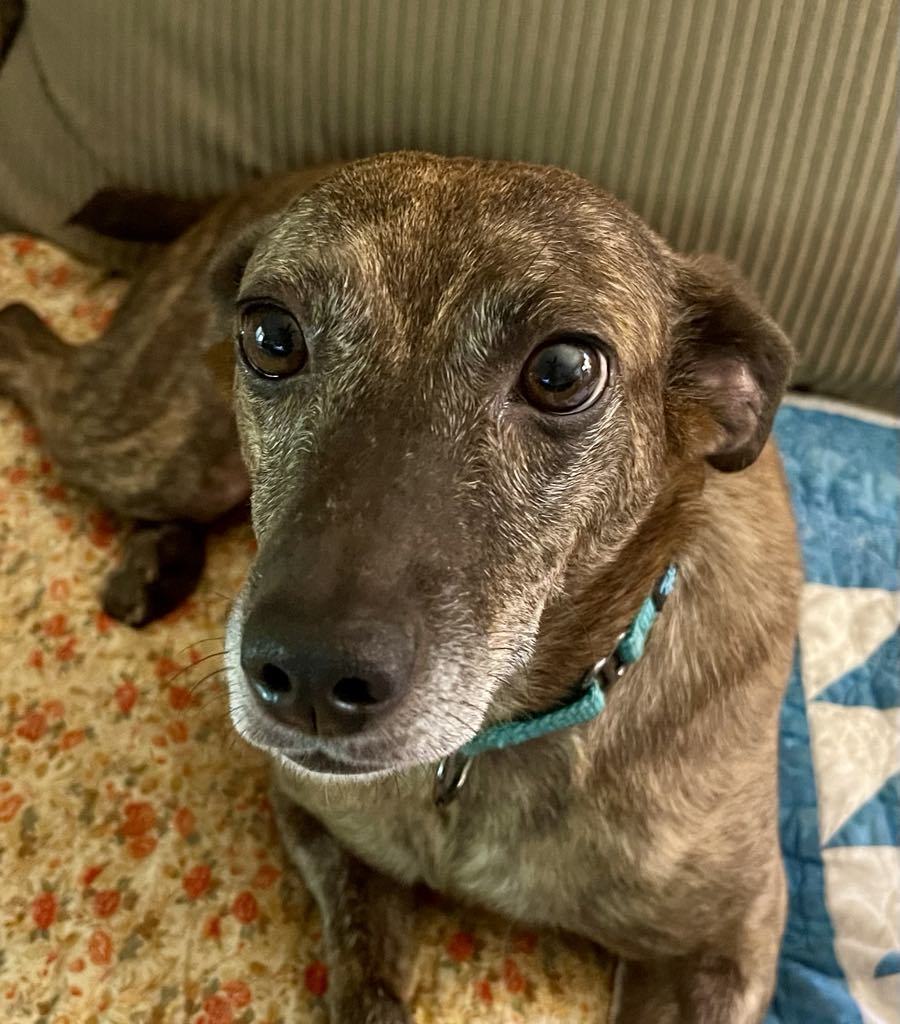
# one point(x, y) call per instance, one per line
point(473, 850)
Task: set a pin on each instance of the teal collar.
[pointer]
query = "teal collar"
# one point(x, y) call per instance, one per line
point(586, 703)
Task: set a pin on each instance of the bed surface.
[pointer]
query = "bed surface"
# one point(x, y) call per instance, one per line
point(142, 878)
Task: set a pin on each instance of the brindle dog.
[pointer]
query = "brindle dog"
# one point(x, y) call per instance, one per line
point(482, 408)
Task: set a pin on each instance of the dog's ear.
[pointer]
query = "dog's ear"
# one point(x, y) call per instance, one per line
point(228, 266)
point(730, 363)
point(224, 279)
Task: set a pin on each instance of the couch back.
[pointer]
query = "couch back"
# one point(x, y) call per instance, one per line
point(764, 129)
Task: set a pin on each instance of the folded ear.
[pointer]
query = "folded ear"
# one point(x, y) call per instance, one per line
point(227, 266)
point(224, 279)
point(730, 362)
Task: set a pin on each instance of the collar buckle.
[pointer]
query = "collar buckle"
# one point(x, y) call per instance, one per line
point(608, 670)
point(450, 777)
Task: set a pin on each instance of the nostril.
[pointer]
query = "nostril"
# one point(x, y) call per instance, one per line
point(275, 679)
point(353, 692)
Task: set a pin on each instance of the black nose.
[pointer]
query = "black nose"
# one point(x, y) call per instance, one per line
point(324, 678)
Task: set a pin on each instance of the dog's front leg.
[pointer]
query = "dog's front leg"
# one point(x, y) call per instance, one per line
point(720, 985)
point(705, 990)
point(366, 921)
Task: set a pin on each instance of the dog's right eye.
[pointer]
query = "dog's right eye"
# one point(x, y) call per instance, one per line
point(566, 374)
point(271, 341)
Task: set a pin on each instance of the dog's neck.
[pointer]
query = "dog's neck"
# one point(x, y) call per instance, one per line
point(598, 603)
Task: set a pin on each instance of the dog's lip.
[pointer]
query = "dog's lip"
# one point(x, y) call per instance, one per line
point(319, 763)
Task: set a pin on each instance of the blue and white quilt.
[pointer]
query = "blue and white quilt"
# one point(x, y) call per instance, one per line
point(840, 724)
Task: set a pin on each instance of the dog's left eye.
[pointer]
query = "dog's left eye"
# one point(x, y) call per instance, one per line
point(565, 374)
point(271, 341)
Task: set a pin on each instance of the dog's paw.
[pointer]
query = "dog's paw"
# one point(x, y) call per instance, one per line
point(161, 565)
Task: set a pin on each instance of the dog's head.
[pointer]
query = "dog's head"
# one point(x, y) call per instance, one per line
point(458, 382)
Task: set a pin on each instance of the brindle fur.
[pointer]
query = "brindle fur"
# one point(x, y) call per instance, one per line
point(400, 479)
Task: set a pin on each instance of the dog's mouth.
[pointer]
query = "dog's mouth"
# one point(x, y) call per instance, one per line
point(355, 759)
point(317, 762)
point(312, 758)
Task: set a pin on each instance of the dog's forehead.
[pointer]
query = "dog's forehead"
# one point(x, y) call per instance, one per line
point(426, 239)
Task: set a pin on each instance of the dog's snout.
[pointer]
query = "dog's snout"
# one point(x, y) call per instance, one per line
point(323, 678)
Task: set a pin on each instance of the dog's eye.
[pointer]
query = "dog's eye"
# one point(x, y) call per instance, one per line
point(567, 373)
point(271, 341)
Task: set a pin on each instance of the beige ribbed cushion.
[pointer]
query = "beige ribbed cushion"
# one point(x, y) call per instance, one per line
point(761, 128)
